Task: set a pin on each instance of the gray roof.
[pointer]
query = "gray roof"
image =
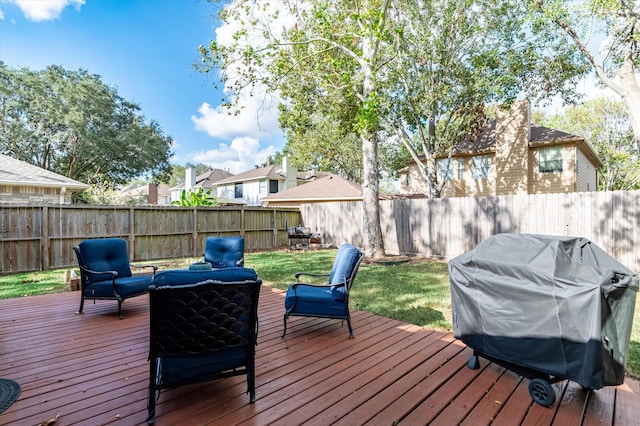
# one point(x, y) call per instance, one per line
point(486, 140)
point(328, 187)
point(208, 179)
point(20, 173)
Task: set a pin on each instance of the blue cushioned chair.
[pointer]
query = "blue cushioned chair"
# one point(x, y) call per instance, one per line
point(224, 252)
point(329, 300)
point(201, 332)
point(105, 272)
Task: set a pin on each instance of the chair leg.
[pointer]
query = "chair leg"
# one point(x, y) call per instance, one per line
point(151, 397)
point(349, 326)
point(81, 302)
point(285, 326)
point(120, 309)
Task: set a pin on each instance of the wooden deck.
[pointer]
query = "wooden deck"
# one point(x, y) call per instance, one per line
point(92, 369)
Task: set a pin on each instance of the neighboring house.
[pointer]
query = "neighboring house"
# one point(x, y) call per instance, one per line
point(512, 156)
point(24, 183)
point(206, 181)
point(252, 186)
point(323, 189)
point(149, 193)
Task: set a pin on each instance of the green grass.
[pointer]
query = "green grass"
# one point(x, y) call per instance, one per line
point(416, 292)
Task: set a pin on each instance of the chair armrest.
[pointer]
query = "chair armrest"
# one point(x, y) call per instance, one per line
point(299, 274)
point(114, 274)
point(297, 284)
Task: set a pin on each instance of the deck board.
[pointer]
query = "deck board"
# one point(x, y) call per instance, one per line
point(92, 369)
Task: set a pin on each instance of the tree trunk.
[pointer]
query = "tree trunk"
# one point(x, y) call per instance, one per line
point(372, 233)
point(631, 96)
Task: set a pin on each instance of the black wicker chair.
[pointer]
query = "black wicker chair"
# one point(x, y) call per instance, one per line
point(202, 332)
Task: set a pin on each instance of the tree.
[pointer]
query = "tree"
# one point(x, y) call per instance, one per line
point(456, 57)
point(178, 172)
point(71, 123)
point(618, 21)
point(347, 39)
point(604, 123)
point(417, 72)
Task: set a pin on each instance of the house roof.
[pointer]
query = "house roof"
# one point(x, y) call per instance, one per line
point(270, 172)
point(326, 188)
point(208, 179)
point(539, 135)
point(138, 190)
point(20, 173)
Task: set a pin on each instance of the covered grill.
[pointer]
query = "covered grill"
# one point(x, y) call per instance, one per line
point(549, 308)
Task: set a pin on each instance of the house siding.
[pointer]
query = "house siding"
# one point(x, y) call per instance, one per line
point(587, 174)
point(468, 186)
point(564, 181)
point(32, 195)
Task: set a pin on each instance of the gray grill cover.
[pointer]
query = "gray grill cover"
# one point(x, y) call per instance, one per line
point(556, 305)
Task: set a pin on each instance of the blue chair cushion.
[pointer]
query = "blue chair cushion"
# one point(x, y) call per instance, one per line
point(125, 287)
point(185, 369)
point(314, 301)
point(185, 276)
point(224, 251)
point(106, 254)
point(344, 263)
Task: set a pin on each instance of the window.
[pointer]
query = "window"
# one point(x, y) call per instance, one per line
point(446, 169)
point(238, 190)
point(480, 166)
point(460, 168)
point(550, 160)
point(273, 186)
point(407, 181)
point(262, 186)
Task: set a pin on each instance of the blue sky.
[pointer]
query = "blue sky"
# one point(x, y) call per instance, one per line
point(146, 50)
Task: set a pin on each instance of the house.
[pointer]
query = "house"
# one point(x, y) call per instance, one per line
point(24, 183)
point(206, 181)
point(149, 193)
point(324, 188)
point(253, 185)
point(512, 156)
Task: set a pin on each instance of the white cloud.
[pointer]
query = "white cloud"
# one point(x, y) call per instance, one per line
point(243, 154)
point(255, 120)
point(1, 15)
point(44, 10)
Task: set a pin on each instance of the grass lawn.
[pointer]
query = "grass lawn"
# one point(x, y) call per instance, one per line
point(416, 292)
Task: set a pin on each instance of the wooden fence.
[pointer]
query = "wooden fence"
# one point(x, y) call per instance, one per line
point(42, 237)
point(445, 228)
point(36, 238)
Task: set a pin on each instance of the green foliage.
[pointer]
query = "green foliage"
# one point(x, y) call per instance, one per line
point(616, 59)
point(199, 198)
point(71, 123)
point(178, 172)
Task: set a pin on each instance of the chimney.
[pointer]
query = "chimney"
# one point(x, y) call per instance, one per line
point(290, 173)
point(513, 131)
point(152, 191)
point(189, 179)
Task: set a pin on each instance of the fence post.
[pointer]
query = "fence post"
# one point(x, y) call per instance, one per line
point(132, 234)
point(44, 245)
point(194, 233)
